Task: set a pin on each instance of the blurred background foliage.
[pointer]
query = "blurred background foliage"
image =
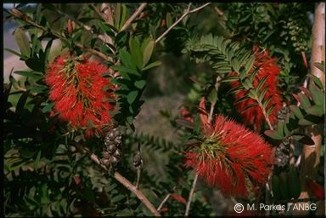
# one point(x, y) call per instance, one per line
point(46, 176)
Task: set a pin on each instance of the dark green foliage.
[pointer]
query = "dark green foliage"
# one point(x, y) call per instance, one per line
point(309, 112)
point(45, 172)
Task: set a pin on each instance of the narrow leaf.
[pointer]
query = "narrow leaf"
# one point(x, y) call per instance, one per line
point(22, 41)
point(131, 97)
point(151, 65)
point(317, 94)
point(147, 51)
point(304, 101)
point(297, 112)
point(135, 52)
point(273, 134)
point(21, 102)
point(316, 110)
point(140, 84)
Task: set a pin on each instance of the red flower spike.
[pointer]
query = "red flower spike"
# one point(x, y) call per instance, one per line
point(230, 157)
point(267, 67)
point(77, 88)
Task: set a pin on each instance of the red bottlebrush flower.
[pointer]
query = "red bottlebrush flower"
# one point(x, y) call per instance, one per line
point(231, 157)
point(80, 93)
point(267, 67)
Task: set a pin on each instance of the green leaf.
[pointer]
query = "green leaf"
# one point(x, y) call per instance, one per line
point(252, 94)
point(120, 12)
point(270, 110)
point(304, 101)
point(38, 88)
point(125, 71)
point(126, 59)
point(151, 65)
point(310, 120)
point(248, 66)
point(297, 112)
point(261, 83)
point(22, 42)
point(244, 98)
point(47, 108)
point(35, 64)
point(131, 97)
point(317, 94)
point(235, 65)
point(261, 94)
point(21, 102)
point(273, 134)
point(16, 53)
point(107, 28)
point(317, 81)
point(32, 74)
point(44, 56)
point(316, 110)
point(135, 52)
point(147, 51)
point(37, 160)
point(212, 96)
point(279, 128)
point(247, 83)
point(117, 198)
point(230, 79)
point(140, 84)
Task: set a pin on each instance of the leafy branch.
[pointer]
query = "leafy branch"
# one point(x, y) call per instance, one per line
point(125, 182)
point(186, 13)
point(133, 16)
point(20, 15)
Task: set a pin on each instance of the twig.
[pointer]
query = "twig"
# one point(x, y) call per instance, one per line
point(191, 194)
point(133, 16)
point(211, 112)
point(186, 13)
point(137, 192)
point(163, 202)
point(266, 116)
point(218, 11)
point(106, 13)
point(217, 86)
point(103, 37)
point(125, 182)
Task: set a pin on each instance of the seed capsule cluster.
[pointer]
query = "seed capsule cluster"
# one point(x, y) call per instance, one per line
point(282, 153)
point(112, 149)
point(282, 113)
point(137, 160)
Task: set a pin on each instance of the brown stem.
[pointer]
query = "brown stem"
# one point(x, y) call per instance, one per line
point(133, 16)
point(186, 13)
point(192, 191)
point(137, 192)
point(211, 110)
point(311, 153)
point(125, 182)
point(163, 202)
point(265, 116)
